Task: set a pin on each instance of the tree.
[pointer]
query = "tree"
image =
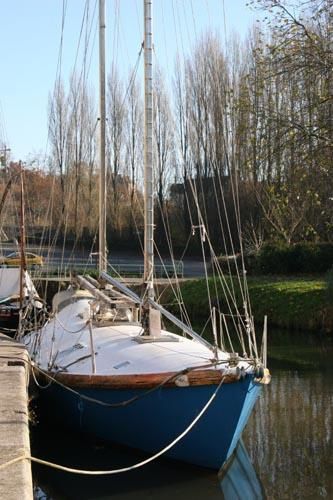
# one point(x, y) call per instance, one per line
point(58, 130)
point(163, 145)
point(134, 139)
point(115, 141)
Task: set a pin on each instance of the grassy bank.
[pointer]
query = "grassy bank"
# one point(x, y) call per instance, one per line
point(293, 303)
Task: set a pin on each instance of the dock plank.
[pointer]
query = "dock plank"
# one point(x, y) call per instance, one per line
point(16, 479)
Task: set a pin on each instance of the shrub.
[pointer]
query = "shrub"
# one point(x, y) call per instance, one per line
point(272, 259)
point(301, 258)
point(298, 258)
point(329, 285)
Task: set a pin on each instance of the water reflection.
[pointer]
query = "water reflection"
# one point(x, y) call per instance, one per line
point(289, 437)
point(238, 478)
point(162, 479)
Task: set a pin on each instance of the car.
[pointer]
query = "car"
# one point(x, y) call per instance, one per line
point(14, 259)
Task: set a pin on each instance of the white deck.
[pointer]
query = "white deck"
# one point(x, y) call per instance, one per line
point(65, 341)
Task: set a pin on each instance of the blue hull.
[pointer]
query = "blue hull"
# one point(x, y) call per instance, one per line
point(156, 419)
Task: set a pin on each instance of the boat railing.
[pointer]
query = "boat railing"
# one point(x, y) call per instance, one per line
point(66, 268)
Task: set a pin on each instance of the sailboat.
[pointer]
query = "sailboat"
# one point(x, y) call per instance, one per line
point(20, 306)
point(114, 372)
point(19, 301)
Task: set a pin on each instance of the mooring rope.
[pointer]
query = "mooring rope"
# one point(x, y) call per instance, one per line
point(137, 465)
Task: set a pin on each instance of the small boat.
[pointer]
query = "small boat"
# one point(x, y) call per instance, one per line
point(21, 308)
point(16, 306)
point(114, 371)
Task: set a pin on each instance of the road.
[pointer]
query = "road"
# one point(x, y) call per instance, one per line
point(119, 260)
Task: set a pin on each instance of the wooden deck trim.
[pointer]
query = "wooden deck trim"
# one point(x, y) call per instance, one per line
point(145, 381)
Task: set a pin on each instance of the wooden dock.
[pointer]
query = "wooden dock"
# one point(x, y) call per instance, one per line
point(15, 479)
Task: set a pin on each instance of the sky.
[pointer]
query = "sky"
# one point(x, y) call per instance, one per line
point(30, 34)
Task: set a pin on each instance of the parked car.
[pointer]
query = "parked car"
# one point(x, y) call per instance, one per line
point(14, 259)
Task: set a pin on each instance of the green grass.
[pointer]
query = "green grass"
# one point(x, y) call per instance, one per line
point(293, 303)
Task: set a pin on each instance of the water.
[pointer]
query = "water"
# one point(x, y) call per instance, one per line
point(289, 440)
point(290, 436)
point(162, 479)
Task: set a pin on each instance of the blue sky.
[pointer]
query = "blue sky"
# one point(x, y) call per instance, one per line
point(29, 46)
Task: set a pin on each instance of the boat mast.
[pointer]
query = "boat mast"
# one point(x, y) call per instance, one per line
point(102, 121)
point(22, 237)
point(148, 152)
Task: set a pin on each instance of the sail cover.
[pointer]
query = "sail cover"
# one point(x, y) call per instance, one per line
point(10, 283)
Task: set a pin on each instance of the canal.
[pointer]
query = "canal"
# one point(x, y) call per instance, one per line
point(289, 440)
